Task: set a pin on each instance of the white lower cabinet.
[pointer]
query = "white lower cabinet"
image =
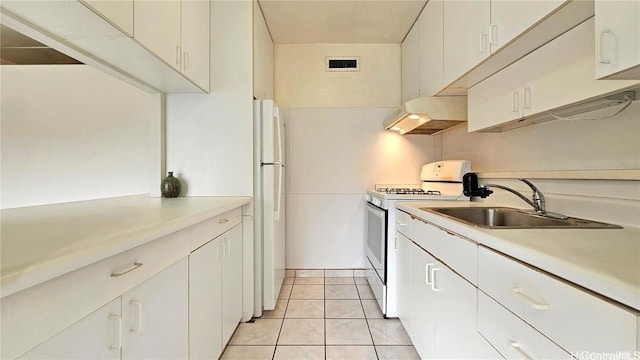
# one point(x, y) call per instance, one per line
point(557, 308)
point(205, 301)
point(98, 336)
point(215, 294)
point(511, 336)
point(515, 311)
point(231, 282)
point(403, 273)
point(155, 318)
point(149, 321)
point(443, 309)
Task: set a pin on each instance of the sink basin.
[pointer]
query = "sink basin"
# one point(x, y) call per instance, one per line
point(510, 218)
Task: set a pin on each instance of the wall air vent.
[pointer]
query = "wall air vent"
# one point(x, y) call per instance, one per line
point(351, 63)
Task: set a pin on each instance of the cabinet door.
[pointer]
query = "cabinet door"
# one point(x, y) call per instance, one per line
point(155, 316)
point(422, 303)
point(497, 99)
point(403, 281)
point(205, 301)
point(231, 281)
point(157, 27)
point(98, 336)
point(431, 48)
point(466, 38)
point(510, 18)
point(561, 72)
point(118, 12)
point(410, 64)
point(617, 32)
point(456, 314)
point(195, 41)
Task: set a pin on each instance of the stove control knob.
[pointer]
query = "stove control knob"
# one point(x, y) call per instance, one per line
point(367, 197)
point(377, 202)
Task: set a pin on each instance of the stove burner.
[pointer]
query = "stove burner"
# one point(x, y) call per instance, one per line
point(408, 191)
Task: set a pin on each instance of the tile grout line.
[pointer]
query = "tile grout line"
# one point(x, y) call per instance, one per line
point(368, 326)
point(275, 348)
point(324, 303)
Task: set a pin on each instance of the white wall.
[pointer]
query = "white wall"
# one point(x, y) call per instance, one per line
point(210, 137)
point(71, 133)
point(334, 157)
point(612, 144)
point(555, 145)
point(301, 79)
point(262, 56)
point(337, 148)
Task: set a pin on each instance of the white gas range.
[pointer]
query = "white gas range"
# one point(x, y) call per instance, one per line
point(441, 181)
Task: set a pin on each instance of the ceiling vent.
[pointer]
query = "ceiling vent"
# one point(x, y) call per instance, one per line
point(351, 63)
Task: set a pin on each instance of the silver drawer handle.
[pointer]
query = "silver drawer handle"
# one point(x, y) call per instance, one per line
point(135, 266)
point(223, 221)
point(518, 348)
point(534, 304)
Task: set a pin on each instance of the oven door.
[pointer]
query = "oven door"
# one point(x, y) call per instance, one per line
point(376, 240)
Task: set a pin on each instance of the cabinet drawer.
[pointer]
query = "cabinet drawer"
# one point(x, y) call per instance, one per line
point(573, 318)
point(459, 253)
point(33, 315)
point(403, 223)
point(208, 230)
point(511, 336)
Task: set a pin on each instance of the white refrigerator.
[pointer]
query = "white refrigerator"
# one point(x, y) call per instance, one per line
point(269, 206)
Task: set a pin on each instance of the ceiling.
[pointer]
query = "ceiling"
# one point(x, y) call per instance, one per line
point(340, 21)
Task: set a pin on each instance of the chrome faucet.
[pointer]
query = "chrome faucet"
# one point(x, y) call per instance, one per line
point(537, 201)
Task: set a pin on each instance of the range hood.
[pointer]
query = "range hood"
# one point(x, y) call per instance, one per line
point(428, 115)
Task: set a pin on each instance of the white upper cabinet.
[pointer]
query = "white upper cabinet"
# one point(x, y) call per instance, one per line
point(262, 56)
point(511, 18)
point(178, 33)
point(482, 37)
point(617, 32)
point(195, 41)
point(466, 37)
point(158, 46)
point(431, 48)
point(558, 74)
point(157, 27)
point(410, 65)
point(422, 54)
point(118, 12)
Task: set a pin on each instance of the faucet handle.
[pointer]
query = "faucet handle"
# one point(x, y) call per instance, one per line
point(538, 198)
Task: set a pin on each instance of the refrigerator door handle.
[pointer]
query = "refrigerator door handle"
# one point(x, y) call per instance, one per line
point(276, 215)
point(278, 133)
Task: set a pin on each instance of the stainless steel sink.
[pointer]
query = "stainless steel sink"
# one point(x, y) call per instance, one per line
point(510, 218)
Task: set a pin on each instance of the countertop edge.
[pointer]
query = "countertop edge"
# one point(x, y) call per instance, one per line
point(601, 284)
point(16, 281)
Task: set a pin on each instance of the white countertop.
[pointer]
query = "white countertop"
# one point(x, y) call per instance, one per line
point(42, 242)
point(605, 261)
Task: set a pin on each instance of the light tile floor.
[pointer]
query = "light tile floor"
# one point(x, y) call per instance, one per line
point(318, 317)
